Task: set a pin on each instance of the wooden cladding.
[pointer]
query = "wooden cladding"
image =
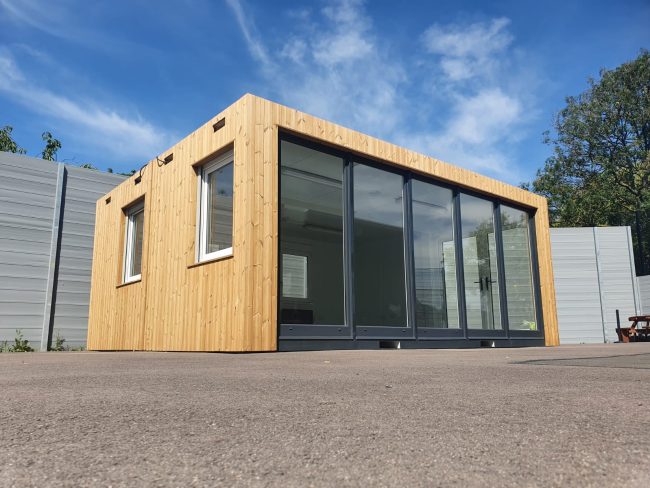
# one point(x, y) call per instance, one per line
point(231, 304)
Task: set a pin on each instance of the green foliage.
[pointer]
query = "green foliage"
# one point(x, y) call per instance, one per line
point(52, 145)
point(20, 344)
point(59, 343)
point(599, 173)
point(109, 170)
point(7, 142)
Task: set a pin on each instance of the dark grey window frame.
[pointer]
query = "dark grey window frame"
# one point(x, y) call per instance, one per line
point(321, 331)
point(348, 331)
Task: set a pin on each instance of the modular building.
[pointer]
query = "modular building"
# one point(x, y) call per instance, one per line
point(268, 229)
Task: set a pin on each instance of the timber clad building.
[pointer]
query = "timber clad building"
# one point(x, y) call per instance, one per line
point(268, 229)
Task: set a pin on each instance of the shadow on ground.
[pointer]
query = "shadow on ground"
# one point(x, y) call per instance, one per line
point(632, 361)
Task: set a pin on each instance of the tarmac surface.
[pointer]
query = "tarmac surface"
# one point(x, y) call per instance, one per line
point(565, 416)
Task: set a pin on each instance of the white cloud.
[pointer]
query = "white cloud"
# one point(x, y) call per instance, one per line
point(334, 69)
point(70, 20)
point(476, 40)
point(295, 50)
point(484, 117)
point(9, 72)
point(33, 13)
point(348, 38)
point(247, 27)
point(130, 138)
point(468, 111)
point(489, 106)
point(341, 47)
point(468, 50)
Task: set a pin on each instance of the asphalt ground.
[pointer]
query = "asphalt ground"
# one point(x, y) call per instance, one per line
point(565, 416)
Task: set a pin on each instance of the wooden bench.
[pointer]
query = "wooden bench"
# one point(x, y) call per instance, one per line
point(634, 333)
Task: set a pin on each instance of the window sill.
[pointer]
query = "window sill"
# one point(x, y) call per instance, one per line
point(211, 260)
point(122, 285)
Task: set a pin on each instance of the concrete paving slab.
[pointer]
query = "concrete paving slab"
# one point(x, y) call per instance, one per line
point(565, 416)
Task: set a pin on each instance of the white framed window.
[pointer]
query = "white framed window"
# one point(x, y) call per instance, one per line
point(216, 208)
point(133, 243)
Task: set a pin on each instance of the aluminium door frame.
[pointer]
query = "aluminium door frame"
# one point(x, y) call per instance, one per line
point(315, 331)
point(363, 332)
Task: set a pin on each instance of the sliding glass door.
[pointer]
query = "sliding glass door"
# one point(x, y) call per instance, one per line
point(480, 265)
point(378, 255)
point(518, 269)
point(434, 257)
point(311, 243)
point(371, 252)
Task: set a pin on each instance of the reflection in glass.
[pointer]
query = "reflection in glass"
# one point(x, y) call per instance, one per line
point(219, 219)
point(379, 280)
point(480, 264)
point(138, 232)
point(311, 237)
point(518, 269)
point(434, 255)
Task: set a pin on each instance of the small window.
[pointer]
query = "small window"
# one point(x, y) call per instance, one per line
point(294, 276)
point(215, 208)
point(133, 247)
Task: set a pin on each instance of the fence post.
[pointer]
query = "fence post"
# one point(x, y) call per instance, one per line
point(53, 266)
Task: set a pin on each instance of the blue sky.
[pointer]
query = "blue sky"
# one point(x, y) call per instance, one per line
point(473, 83)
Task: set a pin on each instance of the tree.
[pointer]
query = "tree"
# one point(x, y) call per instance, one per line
point(599, 173)
point(52, 145)
point(7, 142)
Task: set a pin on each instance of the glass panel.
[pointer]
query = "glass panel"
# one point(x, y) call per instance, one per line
point(294, 276)
point(137, 232)
point(480, 264)
point(518, 269)
point(435, 261)
point(311, 237)
point(219, 235)
point(379, 282)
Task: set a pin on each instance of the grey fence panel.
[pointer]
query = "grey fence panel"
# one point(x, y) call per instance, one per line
point(617, 276)
point(31, 257)
point(83, 188)
point(576, 286)
point(27, 200)
point(594, 277)
point(644, 293)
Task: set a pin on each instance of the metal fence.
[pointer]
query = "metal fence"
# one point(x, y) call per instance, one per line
point(594, 277)
point(47, 221)
point(644, 293)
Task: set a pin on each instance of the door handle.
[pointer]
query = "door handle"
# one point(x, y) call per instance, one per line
point(488, 281)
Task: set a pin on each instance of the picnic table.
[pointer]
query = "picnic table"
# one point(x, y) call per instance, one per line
point(635, 333)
